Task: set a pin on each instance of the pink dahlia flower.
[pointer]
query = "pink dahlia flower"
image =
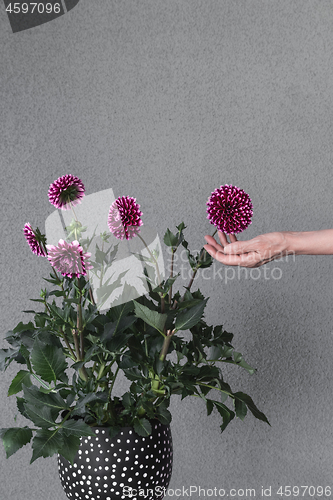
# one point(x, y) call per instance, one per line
point(66, 191)
point(124, 218)
point(35, 239)
point(230, 209)
point(69, 259)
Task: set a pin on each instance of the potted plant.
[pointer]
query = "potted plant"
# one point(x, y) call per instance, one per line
point(68, 358)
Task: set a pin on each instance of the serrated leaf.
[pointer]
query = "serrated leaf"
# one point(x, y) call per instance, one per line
point(69, 447)
point(22, 377)
point(142, 426)
point(142, 258)
point(226, 414)
point(185, 304)
point(23, 327)
point(121, 310)
point(153, 318)
point(14, 438)
point(127, 400)
point(164, 415)
point(20, 406)
point(113, 329)
point(35, 397)
point(77, 427)
point(46, 443)
point(48, 361)
point(127, 362)
point(187, 319)
point(170, 239)
point(251, 406)
point(40, 416)
point(95, 396)
point(132, 374)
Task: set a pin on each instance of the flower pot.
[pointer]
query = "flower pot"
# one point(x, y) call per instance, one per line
point(113, 468)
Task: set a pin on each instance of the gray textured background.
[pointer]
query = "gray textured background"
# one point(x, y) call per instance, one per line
point(165, 100)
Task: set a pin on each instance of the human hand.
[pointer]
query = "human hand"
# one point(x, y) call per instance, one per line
point(250, 253)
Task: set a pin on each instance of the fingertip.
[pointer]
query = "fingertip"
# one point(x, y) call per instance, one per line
point(227, 249)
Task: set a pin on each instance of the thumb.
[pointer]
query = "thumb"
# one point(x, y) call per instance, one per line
point(236, 248)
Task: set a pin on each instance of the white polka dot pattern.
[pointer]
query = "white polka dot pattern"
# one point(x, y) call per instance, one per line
point(106, 469)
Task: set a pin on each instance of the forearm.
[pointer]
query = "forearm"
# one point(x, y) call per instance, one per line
point(309, 242)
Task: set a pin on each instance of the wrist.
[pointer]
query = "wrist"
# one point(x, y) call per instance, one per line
point(292, 243)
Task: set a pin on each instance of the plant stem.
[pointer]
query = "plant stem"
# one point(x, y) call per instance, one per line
point(203, 252)
point(166, 343)
point(171, 276)
point(157, 272)
point(41, 382)
point(76, 344)
point(91, 293)
point(79, 348)
point(79, 321)
point(68, 345)
point(201, 257)
point(217, 388)
point(113, 381)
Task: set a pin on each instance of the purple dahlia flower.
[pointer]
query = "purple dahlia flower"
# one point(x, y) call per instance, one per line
point(69, 259)
point(35, 239)
point(230, 209)
point(124, 218)
point(66, 191)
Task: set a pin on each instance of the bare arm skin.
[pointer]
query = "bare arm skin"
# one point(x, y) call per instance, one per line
point(266, 247)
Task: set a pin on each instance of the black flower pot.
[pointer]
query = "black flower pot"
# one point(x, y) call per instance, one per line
point(126, 466)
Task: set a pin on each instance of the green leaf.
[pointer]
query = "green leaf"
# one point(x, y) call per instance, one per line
point(69, 447)
point(77, 427)
point(41, 416)
point(164, 415)
point(118, 342)
point(152, 318)
point(241, 362)
point(22, 327)
point(128, 400)
point(142, 426)
point(49, 362)
point(14, 438)
point(187, 319)
point(240, 408)
point(185, 304)
point(132, 374)
point(226, 414)
point(100, 256)
point(170, 239)
point(35, 397)
point(113, 329)
point(6, 356)
point(210, 406)
point(22, 377)
point(123, 305)
point(46, 443)
point(20, 406)
point(80, 407)
point(251, 406)
point(142, 258)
